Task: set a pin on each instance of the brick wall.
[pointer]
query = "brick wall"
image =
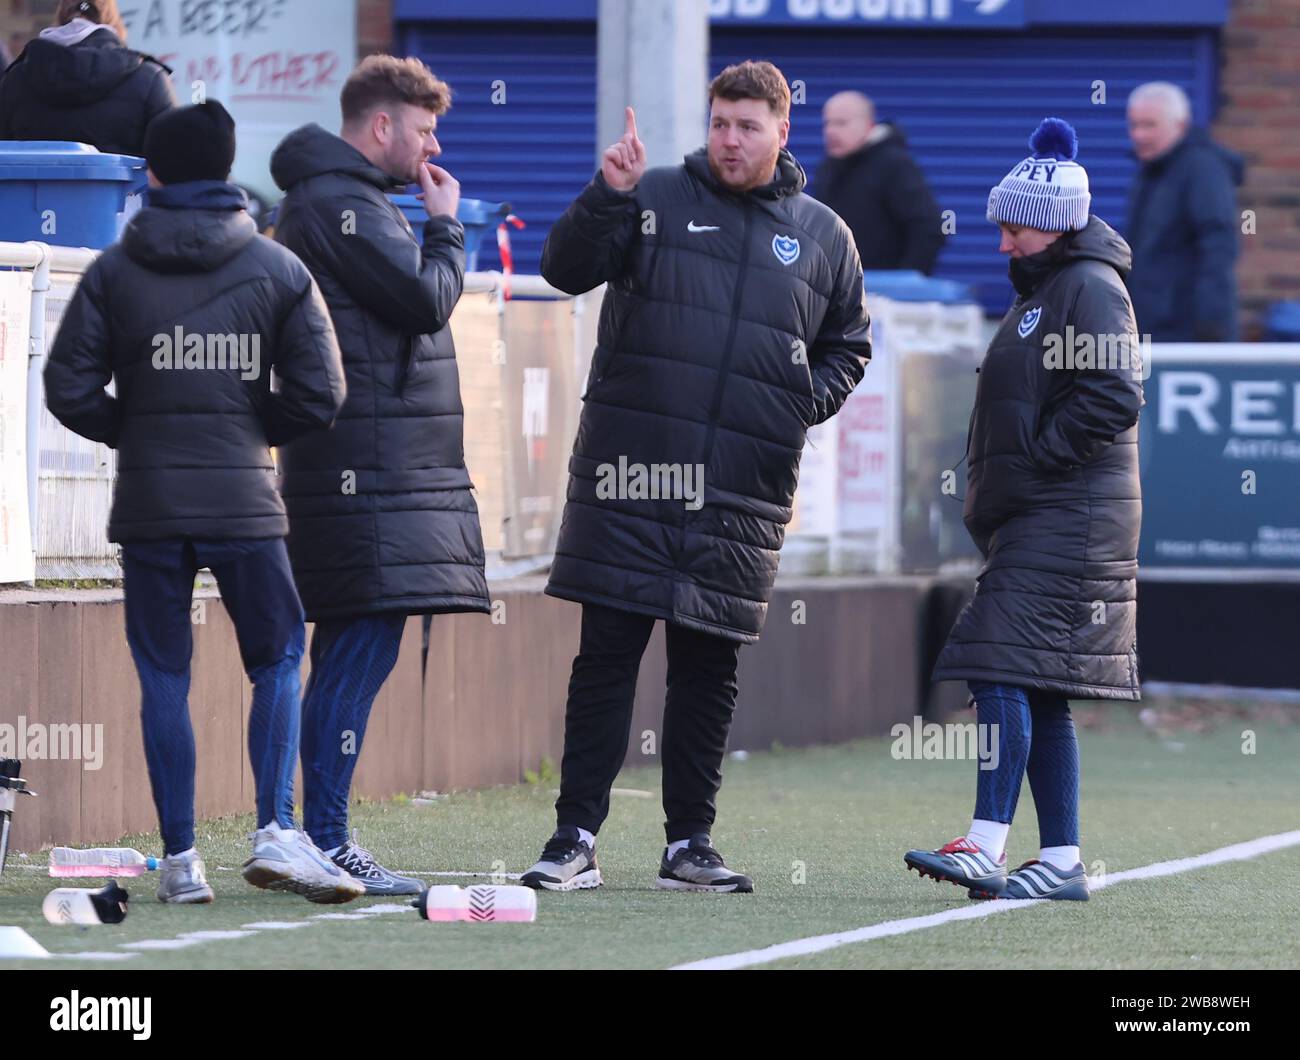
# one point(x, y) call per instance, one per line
point(1259, 116)
point(374, 27)
point(21, 20)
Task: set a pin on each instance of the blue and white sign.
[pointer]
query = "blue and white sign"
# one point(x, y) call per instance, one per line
point(971, 15)
point(1220, 455)
point(936, 14)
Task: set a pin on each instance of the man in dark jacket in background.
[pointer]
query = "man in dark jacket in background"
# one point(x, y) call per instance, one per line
point(382, 521)
point(734, 320)
point(188, 315)
point(1183, 222)
point(870, 179)
point(79, 81)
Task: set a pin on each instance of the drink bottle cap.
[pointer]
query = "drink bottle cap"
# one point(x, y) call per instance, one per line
point(110, 903)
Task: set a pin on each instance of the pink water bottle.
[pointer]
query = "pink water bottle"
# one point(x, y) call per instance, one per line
point(485, 902)
point(100, 861)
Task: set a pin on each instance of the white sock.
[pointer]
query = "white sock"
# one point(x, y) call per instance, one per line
point(191, 853)
point(676, 845)
point(331, 853)
point(990, 837)
point(587, 838)
point(1063, 858)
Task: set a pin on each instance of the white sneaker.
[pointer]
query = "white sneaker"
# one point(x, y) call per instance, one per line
point(567, 864)
point(285, 859)
point(182, 880)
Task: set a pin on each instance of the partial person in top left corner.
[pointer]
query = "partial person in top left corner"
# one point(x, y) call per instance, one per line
point(79, 81)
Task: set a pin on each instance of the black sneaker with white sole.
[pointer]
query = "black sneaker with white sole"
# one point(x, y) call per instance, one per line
point(358, 862)
point(567, 864)
point(698, 867)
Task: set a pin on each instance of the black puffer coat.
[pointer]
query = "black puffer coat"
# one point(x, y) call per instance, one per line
point(380, 508)
point(193, 443)
point(97, 92)
point(731, 324)
point(1053, 498)
point(883, 197)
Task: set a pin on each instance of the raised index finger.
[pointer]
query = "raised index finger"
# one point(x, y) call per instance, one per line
point(638, 148)
point(631, 121)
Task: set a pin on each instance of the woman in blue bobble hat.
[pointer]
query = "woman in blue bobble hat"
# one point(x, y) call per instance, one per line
point(1054, 504)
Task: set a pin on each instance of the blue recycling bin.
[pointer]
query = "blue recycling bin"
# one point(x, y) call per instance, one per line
point(908, 285)
point(1282, 322)
point(477, 215)
point(67, 194)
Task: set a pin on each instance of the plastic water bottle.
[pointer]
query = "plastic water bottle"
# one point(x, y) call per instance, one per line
point(478, 904)
point(101, 861)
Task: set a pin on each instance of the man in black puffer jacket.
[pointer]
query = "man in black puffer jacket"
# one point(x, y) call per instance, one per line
point(870, 179)
point(734, 321)
point(382, 521)
point(189, 315)
point(79, 81)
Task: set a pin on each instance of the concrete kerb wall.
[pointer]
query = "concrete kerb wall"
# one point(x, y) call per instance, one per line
point(488, 705)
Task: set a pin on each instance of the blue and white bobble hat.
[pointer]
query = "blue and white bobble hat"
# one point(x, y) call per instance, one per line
point(1049, 189)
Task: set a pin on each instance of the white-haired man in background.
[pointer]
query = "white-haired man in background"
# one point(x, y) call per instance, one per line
point(1182, 222)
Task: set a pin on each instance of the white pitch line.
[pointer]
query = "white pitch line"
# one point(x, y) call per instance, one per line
point(197, 938)
point(367, 912)
point(385, 907)
point(488, 875)
point(178, 943)
point(819, 943)
point(217, 936)
point(1237, 852)
point(411, 872)
point(92, 955)
point(185, 940)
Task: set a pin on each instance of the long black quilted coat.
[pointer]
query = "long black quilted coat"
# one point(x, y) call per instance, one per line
point(731, 324)
point(1053, 497)
point(380, 510)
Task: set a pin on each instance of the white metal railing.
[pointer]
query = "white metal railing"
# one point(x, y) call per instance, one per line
point(55, 271)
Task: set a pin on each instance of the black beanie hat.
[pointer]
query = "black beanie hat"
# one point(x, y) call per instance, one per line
point(191, 143)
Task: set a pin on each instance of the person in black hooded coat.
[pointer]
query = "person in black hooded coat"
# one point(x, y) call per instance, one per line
point(1054, 503)
point(382, 521)
point(189, 315)
point(870, 179)
point(734, 319)
point(78, 81)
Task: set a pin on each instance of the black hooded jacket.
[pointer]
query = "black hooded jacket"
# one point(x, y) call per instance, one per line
point(882, 195)
point(1053, 497)
point(97, 92)
point(381, 514)
point(731, 324)
point(193, 437)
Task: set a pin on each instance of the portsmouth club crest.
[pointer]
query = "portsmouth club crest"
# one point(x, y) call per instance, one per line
point(1030, 321)
point(786, 249)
